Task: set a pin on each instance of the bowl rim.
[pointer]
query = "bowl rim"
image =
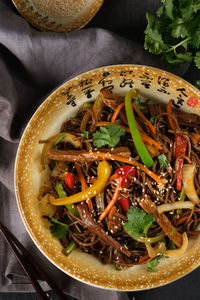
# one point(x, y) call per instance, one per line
point(51, 93)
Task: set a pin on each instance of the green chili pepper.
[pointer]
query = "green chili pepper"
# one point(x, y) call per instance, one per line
point(72, 245)
point(62, 194)
point(139, 145)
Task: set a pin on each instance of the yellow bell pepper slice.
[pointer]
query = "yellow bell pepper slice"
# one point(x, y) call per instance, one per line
point(103, 172)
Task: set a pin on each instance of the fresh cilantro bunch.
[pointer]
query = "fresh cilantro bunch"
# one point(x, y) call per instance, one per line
point(109, 135)
point(138, 222)
point(175, 32)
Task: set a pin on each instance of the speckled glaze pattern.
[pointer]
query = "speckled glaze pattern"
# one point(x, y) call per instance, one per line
point(64, 102)
point(58, 17)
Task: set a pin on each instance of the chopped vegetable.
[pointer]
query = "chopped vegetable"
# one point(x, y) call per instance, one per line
point(150, 240)
point(188, 182)
point(109, 135)
point(125, 171)
point(62, 194)
point(60, 138)
point(138, 222)
point(152, 264)
point(124, 203)
point(58, 229)
point(182, 195)
point(138, 103)
point(85, 134)
point(116, 112)
point(174, 32)
point(142, 116)
point(140, 147)
point(113, 200)
point(152, 119)
point(83, 185)
point(130, 161)
point(163, 161)
point(103, 176)
point(147, 139)
point(64, 137)
point(72, 245)
point(181, 250)
point(155, 251)
point(180, 150)
point(70, 180)
point(112, 212)
point(169, 110)
point(175, 205)
point(151, 208)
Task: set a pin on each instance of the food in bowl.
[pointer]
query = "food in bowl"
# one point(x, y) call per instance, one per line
point(124, 180)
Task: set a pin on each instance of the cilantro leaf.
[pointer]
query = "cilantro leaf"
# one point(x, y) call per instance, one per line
point(197, 84)
point(109, 135)
point(163, 161)
point(169, 5)
point(138, 103)
point(152, 264)
point(197, 60)
point(152, 119)
point(85, 134)
point(58, 229)
point(138, 222)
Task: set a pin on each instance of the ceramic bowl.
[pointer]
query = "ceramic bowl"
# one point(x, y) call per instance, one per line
point(63, 103)
point(58, 16)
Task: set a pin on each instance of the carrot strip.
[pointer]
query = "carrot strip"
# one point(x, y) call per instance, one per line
point(114, 176)
point(112, 212)
point(116, 112)
point(143, 259)
point(130, 161)
point(142, 116)
point(83, 185)
point(169, 110)
point(145, 138)
point(182, 220)
point(150, 141)
point(113, 200)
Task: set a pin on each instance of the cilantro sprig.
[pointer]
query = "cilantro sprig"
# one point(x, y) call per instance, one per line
point(163, 161)
point(175, 32)
point(109, 135)
point(139, 222)
point(58, 229)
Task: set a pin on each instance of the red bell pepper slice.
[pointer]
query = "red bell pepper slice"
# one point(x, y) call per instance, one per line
point(70, 180)
point(125, 171)
point(180, 149)
point(125, 204)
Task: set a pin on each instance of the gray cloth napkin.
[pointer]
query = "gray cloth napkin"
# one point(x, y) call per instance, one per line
point(32, 63)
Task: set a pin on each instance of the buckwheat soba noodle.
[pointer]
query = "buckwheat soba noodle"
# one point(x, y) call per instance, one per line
point(124, 180)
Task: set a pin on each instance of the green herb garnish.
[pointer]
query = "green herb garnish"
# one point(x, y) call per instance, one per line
point(163, 161)
point(138, 222)
point(138, 103)
point(58, 229)
point(175, 32)
point(85, 134)
point(152, 264)
point(152, 119)
point(109, 135)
